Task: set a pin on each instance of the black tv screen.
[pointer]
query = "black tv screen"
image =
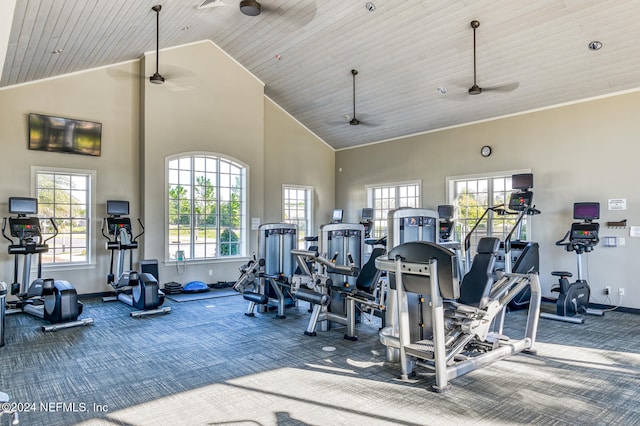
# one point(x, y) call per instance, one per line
point(522, 181)
point(22, 205)
point(586, 211)
point(117, 207)
point(57, 134)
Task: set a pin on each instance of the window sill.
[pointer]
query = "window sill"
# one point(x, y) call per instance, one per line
point(208, 261)
point(68, 267)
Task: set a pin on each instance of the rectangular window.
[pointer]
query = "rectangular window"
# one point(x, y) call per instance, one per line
point(472, 196)
point(383, 198)
point(65, 197)
point(297, 208)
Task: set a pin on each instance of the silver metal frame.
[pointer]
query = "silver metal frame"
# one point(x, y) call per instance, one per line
point(473, 324)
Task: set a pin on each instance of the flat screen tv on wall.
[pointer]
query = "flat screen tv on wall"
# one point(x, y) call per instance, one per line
point(57, 134)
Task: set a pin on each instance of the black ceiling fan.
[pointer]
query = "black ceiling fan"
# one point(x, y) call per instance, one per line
point(156, 78)
point(352, 119)
point(475, 89)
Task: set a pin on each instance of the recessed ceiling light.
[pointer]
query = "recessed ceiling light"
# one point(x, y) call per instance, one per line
point(56, 51)
point(442, 90)
point(595, 45)
point(186, 27)
point(370, 6)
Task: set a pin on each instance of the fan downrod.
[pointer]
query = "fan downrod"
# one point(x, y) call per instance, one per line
point(354, 121)
point(475, 89)
point(156, 78)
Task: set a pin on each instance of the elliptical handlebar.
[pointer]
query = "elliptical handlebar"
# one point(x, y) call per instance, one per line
point(467, 239)
point(4, 226)
point(142, 232)
point(55, 230)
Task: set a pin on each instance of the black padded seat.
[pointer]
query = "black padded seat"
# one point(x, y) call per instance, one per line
point(421, 252)
point(476, 284)
point(369, 274)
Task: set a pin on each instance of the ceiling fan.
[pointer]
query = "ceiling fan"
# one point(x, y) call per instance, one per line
point(156, 78)
point(352, 119)
point(475, 89)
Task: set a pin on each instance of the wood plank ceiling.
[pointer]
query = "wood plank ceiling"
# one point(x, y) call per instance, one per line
point(406, 53)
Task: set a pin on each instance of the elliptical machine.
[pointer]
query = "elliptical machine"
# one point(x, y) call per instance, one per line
point(139, 290)
point(54, 301)
point(573, 298)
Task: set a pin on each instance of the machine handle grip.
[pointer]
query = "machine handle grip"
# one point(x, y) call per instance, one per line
point(55, 230)
point(141, 227)
point(4, 226)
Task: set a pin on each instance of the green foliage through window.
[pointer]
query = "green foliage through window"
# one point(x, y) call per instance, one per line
point(206, 207)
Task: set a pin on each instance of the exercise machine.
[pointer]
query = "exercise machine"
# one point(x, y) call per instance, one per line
point(405, 225)
point(139, 290)
point(457, 338)
point(516, 254)
point(264, 281)
point(573, 298)
point(54, 301)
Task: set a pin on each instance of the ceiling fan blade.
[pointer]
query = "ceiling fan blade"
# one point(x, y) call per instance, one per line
point(476, 89)
point(510, 87)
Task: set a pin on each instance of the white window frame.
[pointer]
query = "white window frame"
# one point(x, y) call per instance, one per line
point(244, 202)
point(380, 223)
point(461, 233)
point(308, 211)
point(90, 233)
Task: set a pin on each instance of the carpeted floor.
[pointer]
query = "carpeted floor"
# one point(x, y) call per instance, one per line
point(206, 363)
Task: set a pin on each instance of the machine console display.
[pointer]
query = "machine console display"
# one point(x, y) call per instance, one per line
point(25, 227)
point(520, 200)
point(117, 223)
point(584, 232)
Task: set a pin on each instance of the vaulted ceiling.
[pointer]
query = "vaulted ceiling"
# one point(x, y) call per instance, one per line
point(415, 58)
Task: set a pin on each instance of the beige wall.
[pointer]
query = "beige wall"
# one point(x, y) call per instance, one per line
point(582, 152)
point(208, 104)
point(108, 96)
point(294, 156)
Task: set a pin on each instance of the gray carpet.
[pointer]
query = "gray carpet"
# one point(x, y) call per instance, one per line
point(208, 364)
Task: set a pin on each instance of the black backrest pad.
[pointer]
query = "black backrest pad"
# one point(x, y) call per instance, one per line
point(421, 252)
point(369, 274)
point(476, 284)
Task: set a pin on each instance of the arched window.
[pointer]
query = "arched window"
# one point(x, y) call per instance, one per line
point(206, 195)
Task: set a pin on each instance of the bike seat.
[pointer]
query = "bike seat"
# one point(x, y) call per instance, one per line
point(562, 274)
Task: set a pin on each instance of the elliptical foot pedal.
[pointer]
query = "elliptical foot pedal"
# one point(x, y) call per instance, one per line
point(69, 324)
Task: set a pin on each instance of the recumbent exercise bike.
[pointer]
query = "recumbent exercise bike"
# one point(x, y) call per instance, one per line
point(573, 298)
point(139, 290)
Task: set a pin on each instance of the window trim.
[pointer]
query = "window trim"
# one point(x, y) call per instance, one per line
point(309, 207)
point(91, 208)
point(451, 181)
point(369, 188)
point(244, 221)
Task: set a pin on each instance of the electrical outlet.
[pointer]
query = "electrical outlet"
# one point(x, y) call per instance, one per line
point(210, 272)
point(621, 292)
point(607, 290)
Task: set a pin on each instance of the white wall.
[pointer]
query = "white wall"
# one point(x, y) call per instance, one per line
point(582, 152)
